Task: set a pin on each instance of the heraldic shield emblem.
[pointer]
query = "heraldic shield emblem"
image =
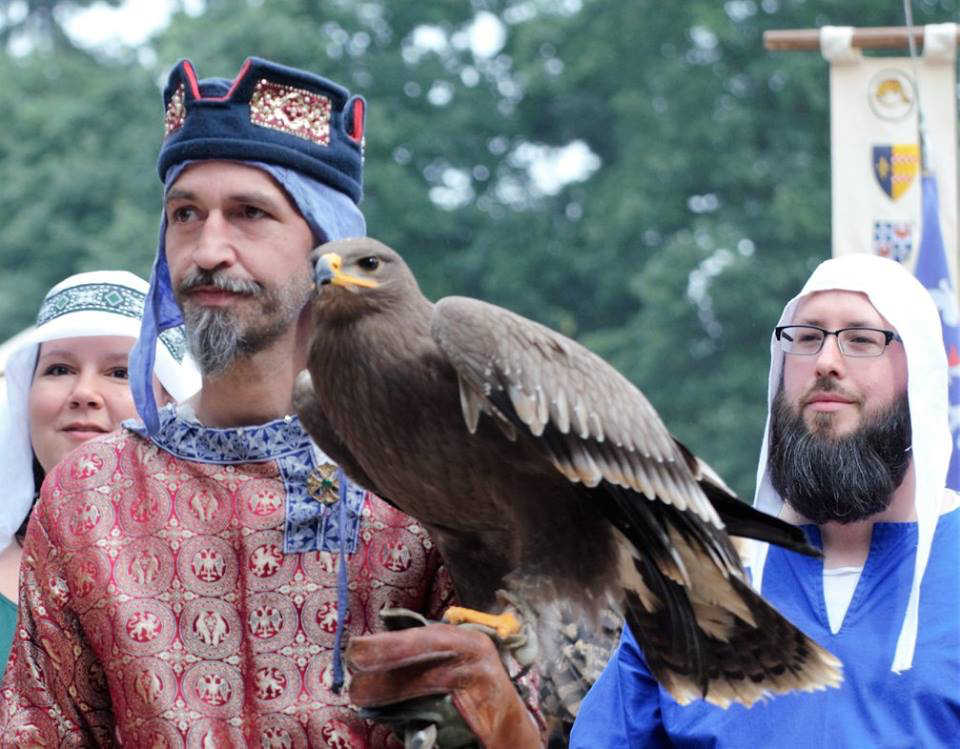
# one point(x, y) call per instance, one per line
point(893, 239)
point(895, 167)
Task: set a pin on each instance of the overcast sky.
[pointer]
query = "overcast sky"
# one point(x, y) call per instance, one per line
point(131, 23)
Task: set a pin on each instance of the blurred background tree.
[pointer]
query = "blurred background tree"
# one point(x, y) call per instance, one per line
point(641, 175)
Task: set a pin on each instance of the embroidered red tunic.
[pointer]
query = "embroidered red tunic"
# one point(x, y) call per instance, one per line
point(160, 608)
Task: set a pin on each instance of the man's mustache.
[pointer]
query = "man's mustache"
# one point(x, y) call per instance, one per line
point(828, 385)
point(219, 280)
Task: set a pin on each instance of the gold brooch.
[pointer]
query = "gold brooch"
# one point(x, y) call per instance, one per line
point(322, 484)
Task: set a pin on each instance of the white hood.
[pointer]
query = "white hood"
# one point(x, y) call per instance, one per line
point(98, 303)
point(909, 308)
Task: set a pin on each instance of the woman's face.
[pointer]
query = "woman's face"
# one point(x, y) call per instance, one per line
point(79, 390)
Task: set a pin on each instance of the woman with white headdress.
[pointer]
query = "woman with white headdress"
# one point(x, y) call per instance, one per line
point(66, 383)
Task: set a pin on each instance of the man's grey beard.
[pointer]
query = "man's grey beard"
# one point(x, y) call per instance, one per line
point(842, 479)
point(217, 338)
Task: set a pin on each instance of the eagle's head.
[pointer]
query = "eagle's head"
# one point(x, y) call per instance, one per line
point(359, 276)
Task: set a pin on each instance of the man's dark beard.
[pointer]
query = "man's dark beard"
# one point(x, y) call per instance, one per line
point(216, 338)
point(842, 479)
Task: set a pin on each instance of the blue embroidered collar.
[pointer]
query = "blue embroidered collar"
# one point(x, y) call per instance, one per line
point(187, 438)
point(309, 525)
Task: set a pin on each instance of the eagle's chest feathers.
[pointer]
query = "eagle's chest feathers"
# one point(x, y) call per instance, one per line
point(393, 397)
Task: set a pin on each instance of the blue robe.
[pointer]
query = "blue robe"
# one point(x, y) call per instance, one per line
point(874, 707)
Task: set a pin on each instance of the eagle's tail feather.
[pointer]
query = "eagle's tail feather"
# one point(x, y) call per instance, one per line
point(728, 644)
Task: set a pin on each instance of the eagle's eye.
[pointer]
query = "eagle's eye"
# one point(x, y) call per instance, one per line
point(369, 263)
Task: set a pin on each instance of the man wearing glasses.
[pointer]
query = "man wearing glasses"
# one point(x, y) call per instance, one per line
point(856, 451)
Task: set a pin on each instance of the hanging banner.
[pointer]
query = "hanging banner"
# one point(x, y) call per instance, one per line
point(875, 148)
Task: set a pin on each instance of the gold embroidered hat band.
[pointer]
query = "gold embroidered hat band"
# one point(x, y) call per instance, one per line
point(270, 113)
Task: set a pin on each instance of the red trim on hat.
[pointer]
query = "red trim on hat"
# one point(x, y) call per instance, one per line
point(191, 75)
point(357, 130)
point(236, 81)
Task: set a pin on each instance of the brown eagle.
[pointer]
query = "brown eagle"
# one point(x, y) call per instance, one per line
point(540, 470)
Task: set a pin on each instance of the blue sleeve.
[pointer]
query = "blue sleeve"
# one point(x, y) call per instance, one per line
point(623, 706)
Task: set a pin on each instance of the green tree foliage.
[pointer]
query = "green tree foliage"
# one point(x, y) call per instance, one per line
point(707, 207)
point(75, 192)
point(712, 204)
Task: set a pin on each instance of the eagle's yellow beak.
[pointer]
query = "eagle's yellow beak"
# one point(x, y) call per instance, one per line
point(327, 271)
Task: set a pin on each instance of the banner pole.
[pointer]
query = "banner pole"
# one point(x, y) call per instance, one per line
point(868, 37)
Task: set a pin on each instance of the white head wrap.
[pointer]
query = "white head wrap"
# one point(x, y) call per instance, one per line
point(101, 303)
point(909, 308)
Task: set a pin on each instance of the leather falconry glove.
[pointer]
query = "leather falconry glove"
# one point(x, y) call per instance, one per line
point(438, 659)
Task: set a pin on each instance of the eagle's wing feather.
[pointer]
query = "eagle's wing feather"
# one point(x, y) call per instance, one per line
point(595, 424)
point(740, 518)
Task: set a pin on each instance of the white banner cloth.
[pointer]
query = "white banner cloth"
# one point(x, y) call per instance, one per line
point(875, 151)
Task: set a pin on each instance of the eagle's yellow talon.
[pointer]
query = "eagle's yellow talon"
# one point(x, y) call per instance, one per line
point(505, 624)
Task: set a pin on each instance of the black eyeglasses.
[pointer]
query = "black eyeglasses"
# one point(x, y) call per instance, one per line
point(807, 340)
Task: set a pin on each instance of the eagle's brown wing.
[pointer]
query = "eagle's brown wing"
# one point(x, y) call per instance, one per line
point(595, 423)
point(705, 632)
